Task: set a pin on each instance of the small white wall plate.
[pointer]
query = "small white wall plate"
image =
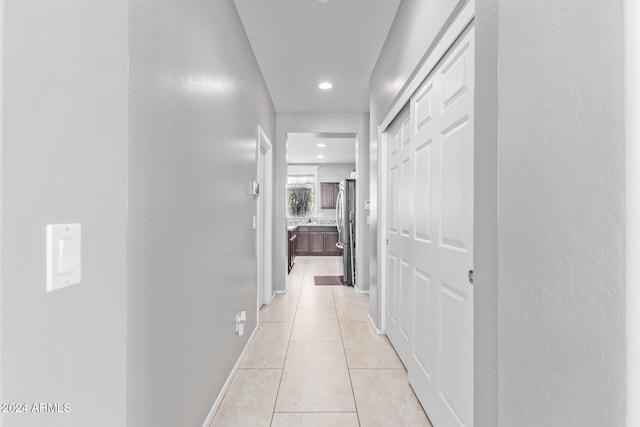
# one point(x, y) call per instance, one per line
point(63, 255)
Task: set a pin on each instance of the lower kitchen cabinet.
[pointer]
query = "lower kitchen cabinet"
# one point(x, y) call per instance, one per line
point(317, 240)
point(292, 239)
point(330, 240)
point(302, 244)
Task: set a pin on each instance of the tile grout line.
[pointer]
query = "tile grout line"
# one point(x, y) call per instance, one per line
point(317, 412)
point(306, 271)
point(295, 313)
point(346, 360)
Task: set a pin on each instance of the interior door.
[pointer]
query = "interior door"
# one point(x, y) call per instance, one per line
point(429, 305)
point(399, 185)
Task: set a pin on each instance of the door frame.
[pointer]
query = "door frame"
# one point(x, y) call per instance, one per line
point(1, 167)
point(264, 234)
point(383, 137)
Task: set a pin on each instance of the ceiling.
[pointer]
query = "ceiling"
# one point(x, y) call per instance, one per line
point(303, 149)
point(300, 43)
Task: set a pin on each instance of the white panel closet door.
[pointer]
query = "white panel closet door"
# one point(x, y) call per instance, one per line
point(399, 183)
point(429, 313)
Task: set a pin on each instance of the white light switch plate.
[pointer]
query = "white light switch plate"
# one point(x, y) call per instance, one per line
point(63, 255)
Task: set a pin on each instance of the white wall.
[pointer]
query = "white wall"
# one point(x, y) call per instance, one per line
point(632, 205)
point(335, 172)
point(485, 229)
point(64, 160)
point(196, 102)
point(363, 195)
point(318, 122)
point(561, 211)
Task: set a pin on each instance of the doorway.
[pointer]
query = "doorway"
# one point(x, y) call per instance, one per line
point(321, 199)
point(264, 217)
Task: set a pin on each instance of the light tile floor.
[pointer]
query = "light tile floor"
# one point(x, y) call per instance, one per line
point(316, 361)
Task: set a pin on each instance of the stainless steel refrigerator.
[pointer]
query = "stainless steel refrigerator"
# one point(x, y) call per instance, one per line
point(346, 221)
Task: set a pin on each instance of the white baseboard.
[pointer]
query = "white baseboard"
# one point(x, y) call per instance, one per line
point(375, 328)
point(273, 295)
point(225, 387)
point(281, 292)
point(360, 291)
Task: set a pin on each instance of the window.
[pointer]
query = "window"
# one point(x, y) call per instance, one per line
point(302, 183)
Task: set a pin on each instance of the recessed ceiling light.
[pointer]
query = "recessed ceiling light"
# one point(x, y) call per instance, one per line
point(325, 85)
point(322, 145)
point(320, 156)
point(323, 1)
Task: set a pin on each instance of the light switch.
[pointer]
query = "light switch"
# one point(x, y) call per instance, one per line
point(63, 255)
point(255, 188)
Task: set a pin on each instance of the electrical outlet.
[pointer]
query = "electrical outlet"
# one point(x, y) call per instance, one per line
point(241, 319)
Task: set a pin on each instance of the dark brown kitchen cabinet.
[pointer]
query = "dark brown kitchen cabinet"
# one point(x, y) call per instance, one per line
point(317, 240)
point(302, 244)
point(330, 240)
point(293, 237)
point(329, 194)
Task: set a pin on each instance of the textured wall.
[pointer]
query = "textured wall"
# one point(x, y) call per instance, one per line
point(196, 101)
point(561, 193)
point(312, 122)
point(64, 160)
point(632, 206)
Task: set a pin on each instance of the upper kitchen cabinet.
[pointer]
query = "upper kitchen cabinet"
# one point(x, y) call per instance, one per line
point(329, 194)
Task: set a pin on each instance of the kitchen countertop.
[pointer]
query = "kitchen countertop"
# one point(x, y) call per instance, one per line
point(311, 224)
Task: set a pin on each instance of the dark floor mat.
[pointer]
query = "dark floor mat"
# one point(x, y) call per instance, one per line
point(329, 280)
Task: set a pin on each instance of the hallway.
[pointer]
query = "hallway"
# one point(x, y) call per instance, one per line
point(316, 361)
point(145, 179)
